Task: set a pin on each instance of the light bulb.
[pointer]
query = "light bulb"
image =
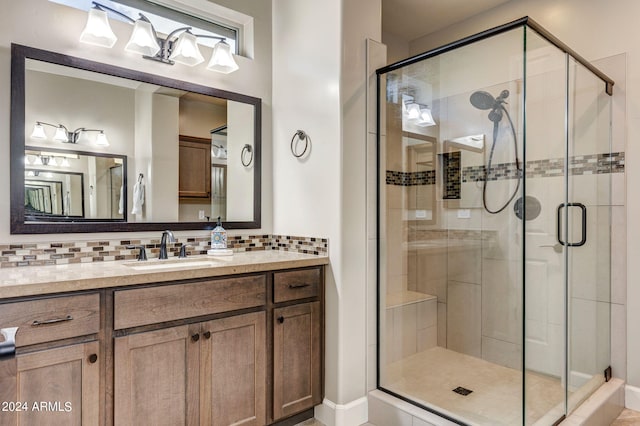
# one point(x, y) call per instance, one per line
point(186, 50)
point(98, 31)
point(143, 40)
point(222, 59)
point(101, 139)
point(38, 132)
point(61, 135)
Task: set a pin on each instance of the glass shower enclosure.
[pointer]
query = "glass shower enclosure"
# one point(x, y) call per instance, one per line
point(494, 170)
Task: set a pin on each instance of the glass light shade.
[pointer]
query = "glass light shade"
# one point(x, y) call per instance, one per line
point(31, 158)
point(31, 173)
point(222, 59)
point(426, 119)
point(101, 139)
point(58, 161)
point(37, 161)
point(65, 162)
point(185, 51)
point(38, 132)
point(98, 31)
point(143, 40)
point(413, 111)
point(61, 135)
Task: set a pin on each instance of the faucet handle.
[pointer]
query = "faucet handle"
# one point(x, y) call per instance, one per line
point(183, 251)
point(142, 254)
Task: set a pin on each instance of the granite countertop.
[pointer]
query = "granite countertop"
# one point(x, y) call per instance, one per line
point(39, 280)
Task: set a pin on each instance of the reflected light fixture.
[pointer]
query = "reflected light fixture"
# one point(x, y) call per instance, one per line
point(417, 113)
point(63, 134)
point(145, 41)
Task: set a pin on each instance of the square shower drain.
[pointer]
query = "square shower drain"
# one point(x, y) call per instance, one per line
point(462, 391)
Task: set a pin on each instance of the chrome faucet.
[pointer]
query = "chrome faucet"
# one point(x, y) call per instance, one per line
point(163, 243)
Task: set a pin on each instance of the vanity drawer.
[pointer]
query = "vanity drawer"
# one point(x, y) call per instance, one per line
point(55, 318)
point(151, 305)
point(292, 285)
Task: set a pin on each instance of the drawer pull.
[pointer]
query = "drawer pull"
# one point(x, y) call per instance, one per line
point(8, 347)
point(293, 286)
point(195, 337)
point(36, 323)
point(93, 358)
point(281, 319)
point(207, 334)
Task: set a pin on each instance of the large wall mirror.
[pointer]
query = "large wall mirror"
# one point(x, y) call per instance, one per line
point(98, 148)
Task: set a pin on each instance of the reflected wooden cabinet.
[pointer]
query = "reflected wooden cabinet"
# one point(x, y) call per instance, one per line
point(194, 167)
point(58, 386)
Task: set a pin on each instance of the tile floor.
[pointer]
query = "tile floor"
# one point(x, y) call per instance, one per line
point(626, 418)
point(431, 375)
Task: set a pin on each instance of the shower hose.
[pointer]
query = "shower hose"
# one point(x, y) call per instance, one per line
point(485, 183)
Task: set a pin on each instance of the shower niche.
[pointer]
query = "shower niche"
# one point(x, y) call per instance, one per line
point(488, 315)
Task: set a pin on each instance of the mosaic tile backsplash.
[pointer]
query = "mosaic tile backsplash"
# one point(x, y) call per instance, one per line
point(578, 165)
point(57, 253)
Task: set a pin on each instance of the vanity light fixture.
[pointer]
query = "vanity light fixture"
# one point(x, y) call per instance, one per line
point(64, 135)
point(145, 41)
point(417, 113)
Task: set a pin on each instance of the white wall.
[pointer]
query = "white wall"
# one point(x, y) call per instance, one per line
point(239, 177)
point(319, 86)
point(595, 29)
point(50, 26)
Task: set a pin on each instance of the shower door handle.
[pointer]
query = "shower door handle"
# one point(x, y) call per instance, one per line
point(583, 210)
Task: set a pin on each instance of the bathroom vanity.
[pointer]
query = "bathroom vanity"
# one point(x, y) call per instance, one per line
point(199, 341)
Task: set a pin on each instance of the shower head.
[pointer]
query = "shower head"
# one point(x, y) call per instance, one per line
point(484, 100)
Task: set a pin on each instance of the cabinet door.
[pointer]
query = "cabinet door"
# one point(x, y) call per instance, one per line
point(194, 167)
point(233, 371)
point(156, 377)
point(296, 359)
point(58, 386)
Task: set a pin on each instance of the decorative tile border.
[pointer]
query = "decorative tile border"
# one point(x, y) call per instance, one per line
point(411, 178)
point(39, 254)
point(578, 165)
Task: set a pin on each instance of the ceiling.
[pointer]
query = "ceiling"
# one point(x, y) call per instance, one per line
point(411, 19)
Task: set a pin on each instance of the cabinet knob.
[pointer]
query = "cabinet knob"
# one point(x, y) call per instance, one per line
point(195, 337)
point(93, 358)
point(207, 334)
point(280, 319)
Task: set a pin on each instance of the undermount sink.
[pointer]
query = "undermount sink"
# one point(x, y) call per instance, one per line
point(151, 265)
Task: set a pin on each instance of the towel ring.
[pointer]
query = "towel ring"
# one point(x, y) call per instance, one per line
point(246, 149)
point(300, 135)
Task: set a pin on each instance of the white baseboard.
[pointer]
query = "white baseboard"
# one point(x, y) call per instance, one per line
point(632, 397)
point(353, 413)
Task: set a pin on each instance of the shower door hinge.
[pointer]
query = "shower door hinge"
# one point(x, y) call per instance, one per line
point(607, 374)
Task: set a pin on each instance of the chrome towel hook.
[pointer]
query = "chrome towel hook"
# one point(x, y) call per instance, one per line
point(246, 150)
point(302, 136)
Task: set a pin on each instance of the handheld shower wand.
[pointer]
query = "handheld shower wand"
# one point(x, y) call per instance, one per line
point(485, 101)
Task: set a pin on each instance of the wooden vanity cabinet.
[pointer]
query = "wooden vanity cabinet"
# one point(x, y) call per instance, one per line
point(55, 376)
point(209, 372)
point(297, 341)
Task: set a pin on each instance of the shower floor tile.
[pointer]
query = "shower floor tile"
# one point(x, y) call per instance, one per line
point(430, 377)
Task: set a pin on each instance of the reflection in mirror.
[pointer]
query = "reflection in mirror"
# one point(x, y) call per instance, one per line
point(66, 177)
point(421, 156)
point(185, 139)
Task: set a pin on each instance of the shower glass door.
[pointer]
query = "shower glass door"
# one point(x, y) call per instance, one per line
point(588, 219)
point(494, 230)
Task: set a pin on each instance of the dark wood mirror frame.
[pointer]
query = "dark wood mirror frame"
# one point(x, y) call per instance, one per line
point(19, 225)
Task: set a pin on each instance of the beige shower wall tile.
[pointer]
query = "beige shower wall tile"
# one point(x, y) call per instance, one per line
point(502, 353)
point(465, 265)
point(464, 318)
